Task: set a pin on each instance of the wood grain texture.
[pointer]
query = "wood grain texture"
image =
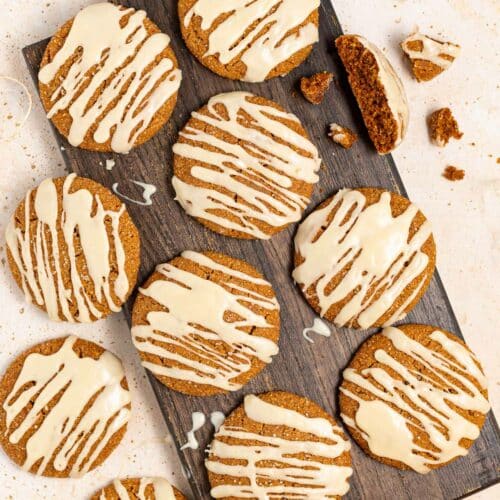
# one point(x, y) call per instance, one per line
point(308, 369)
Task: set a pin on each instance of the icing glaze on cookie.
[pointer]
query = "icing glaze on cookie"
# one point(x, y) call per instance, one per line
point(162, 490)
point(441, 54)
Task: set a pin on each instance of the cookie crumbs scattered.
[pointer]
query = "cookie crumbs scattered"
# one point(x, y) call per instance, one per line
point(453, 173)
point(342, 135)
point(314, 87)
point(443, 126)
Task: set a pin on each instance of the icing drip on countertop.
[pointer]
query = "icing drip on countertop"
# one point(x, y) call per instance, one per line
point(376, 246)
point(198, 420)
point(260, 52)
point(319, 327)
point(441, 54)
point(314, 479)
point(120, 56)
point(148, 191)
point(195, 330)
point(40, 262)
point(428, 401)
point(258, 168)
point(80, 379)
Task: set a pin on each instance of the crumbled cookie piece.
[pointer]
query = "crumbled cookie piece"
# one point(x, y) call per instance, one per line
point(443, 126)
point(314, 87)
point(453, 173)
point(429, 57)
point(342, 135)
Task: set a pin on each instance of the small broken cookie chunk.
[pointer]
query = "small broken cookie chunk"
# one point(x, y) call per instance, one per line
point(443, 126)
point(314, 87)
point(342, 135)
point(453, 173)
point(429, 57)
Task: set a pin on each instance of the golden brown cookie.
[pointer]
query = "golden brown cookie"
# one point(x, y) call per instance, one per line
point(250, 41)
point(443, 127)
point(205, 323)
point(93, 268)
point(279, 442)
point(378, 90)
point(314, 87)
point(244, 167)
point(64, 407)
point(109, 78)
point(342, 135)
point(414, 397)
point(364, 257)
point(140, 488)
point(453, 173)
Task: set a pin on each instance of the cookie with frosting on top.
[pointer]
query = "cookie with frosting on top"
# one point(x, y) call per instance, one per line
point(250, 41)
point(109, 78)
point(364, 257)
point(64, 407)
point(414, 397)
point(92, 269)
point(139, 488)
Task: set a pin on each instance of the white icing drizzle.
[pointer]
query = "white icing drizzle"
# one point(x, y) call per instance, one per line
point(110, 163)
point(319, 327)
point(268, 166)
point(148, 191)
point(432, 50)
point(198, 420)
point(387, 431)
point(314, 480)
point(377, 246)
point(161, 488)
point(80, 379)
point(216, 419)
point(185, 328)
point(106, 46)
point(260, 53)
point(40, 262)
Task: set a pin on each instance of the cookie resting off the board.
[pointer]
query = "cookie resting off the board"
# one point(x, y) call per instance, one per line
point(139, 488)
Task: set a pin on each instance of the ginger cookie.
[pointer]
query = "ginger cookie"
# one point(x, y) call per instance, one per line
point(414, 397)
point(250, 41)
point(314, 87)
point(279, 445)
point(139, 488)
point(378, 90)
point(205, 323)
point(64, 407)
point(109, 78)
point(364, 257)
point(92, 269)
point(443, 126)
point(428, 57)
point(244, 167)
point(342, 135)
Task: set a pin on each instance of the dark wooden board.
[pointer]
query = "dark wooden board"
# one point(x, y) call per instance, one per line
point(312, 370)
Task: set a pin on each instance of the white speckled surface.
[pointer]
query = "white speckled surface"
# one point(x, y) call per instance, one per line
point(464, 214)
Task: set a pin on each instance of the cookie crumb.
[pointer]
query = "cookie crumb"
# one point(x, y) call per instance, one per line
point(314, 87)
point(443, 126)
point(453, 173)
point(342, 135)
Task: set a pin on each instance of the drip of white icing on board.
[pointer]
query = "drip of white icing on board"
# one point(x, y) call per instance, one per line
point(216, 419)
point(432, 50)
point(110, 164)
point(106, 46)
point(427, 400)
point(162, 489)
point(314, 480)
point(40, 262)
point(181, 326)
point(257, 168)
point(198, 420)
point(148, 191)
point(319, 327)
point(80, 380)
point(260, 52)
point(375, 244)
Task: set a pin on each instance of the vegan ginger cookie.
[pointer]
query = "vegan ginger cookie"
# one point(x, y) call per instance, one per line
point(364, 257)
point(139, 488)
point(109, 78)
point(205, 323)
point(64, 407)
point(250, 41)
point(279, 445)
point(244, 167)
point(92, 269)
point(414, 397)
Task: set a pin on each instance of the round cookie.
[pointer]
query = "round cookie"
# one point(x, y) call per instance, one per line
point(93, 268)
point(364, 257)
point(279, 443)
point(139, 488)
point(64, 407)
point(244, 167)
point(205, 323)
point(250, 41)
point(414, 397)
point(123, 100)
